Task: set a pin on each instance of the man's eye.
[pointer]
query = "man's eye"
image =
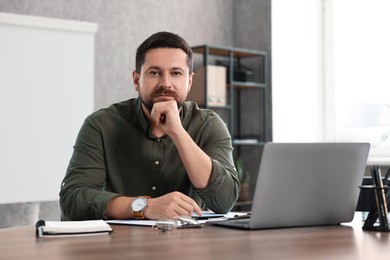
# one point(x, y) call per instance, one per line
point(176, 73)
point(153, 73)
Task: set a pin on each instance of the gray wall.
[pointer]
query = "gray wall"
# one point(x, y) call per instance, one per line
point(124, 24)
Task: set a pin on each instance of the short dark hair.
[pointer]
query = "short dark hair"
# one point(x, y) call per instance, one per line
point(162, 40)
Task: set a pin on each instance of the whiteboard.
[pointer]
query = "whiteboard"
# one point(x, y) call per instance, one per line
point(47, 90)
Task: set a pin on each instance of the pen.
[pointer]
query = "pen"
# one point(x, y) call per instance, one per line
point(387, 177)
point(163, 118)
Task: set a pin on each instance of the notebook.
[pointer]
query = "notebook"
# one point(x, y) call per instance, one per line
point(305, 184)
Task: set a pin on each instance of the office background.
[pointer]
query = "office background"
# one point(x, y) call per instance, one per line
point(123, 25)
point(298, 32)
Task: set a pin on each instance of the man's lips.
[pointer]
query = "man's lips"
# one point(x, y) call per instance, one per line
point(164, 97)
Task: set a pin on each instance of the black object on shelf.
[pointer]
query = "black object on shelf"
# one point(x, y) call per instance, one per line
point(241, 72)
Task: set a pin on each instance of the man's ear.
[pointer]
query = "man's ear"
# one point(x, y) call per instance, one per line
point(190, 82)
point(136, 80)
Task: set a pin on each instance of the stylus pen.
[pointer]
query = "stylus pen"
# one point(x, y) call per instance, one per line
point(384, 199)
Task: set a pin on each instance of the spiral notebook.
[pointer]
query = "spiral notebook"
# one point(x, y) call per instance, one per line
point(71, 228)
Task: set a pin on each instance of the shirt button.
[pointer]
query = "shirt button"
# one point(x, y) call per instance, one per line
point(156, 162)
point(154, 188)
point(158, 140)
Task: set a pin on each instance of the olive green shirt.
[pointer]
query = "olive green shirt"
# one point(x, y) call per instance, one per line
point(115, 154)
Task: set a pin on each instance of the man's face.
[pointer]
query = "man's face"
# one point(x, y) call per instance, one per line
point(164, 76)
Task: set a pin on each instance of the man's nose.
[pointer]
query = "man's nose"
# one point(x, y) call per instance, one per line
point(165, 80)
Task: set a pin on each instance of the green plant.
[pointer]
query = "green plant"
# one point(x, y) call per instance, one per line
point(243, 175)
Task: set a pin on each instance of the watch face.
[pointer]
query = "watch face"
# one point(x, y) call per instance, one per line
point(138, 204)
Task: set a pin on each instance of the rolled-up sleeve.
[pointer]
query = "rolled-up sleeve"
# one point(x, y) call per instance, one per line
point(82, 195)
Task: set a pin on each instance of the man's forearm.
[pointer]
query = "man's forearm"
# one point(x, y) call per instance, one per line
point(197, 163)
point(119, 208)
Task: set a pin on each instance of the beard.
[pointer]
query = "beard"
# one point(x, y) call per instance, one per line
point(161, 91)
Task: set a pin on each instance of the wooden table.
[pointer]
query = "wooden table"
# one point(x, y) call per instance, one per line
point(209, 242)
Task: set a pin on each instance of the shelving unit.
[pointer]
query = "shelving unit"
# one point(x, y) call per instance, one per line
point(247, 108)
point(234, 88)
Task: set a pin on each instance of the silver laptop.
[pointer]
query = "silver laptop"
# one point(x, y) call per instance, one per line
point(306, 184)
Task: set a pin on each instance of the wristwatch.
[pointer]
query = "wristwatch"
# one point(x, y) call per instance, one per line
point(138, 205)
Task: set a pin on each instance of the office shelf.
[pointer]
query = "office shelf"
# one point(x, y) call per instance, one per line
point(246, 109)
point(240, 84)
point(234, 59)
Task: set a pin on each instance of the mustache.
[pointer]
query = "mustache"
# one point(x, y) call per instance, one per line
point(160, 91)
point(163, 91)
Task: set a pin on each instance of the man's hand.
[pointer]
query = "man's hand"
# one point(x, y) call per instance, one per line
point(171, 205)
point(166, 119)
point(165, 114)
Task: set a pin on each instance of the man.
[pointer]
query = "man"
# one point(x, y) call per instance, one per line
point(155, 156)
